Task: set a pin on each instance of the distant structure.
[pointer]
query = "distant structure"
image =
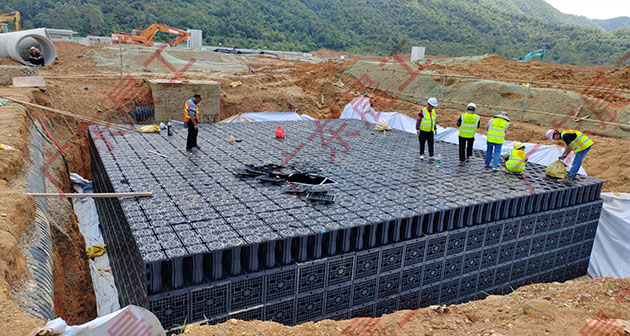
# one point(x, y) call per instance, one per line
point(196, 39)
point(92, 40)
point(60, 34)
point(417, 53)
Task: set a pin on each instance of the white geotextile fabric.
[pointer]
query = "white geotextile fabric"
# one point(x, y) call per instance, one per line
point(269, 116)
point(360, 108)
point(131, 320)
point(611, 251)
point(100, 269)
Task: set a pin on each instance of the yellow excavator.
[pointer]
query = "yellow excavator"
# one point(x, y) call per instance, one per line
point(7, 17)
point(144, 36)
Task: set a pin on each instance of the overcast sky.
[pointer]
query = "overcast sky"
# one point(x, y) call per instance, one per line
point(593, 9)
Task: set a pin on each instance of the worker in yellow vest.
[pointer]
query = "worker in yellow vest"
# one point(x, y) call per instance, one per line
point(425, 127)
point(468, 124)
point(496, 137)
point(191, 118)
point(515, 162)
point(575, 141)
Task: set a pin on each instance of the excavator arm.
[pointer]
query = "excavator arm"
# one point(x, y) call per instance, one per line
point(145, 37)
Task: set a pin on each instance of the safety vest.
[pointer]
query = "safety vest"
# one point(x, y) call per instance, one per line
point(516, 162)
point(186, 106)
point(427, 124)
point(581, 141)
point(496, 132)
point(468, 127)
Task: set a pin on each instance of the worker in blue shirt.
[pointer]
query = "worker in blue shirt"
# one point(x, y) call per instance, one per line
point(191, 118)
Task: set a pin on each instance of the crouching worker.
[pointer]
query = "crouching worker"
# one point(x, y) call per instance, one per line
point(515, 162)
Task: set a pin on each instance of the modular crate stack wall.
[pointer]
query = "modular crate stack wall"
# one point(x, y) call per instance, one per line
point(402, 233)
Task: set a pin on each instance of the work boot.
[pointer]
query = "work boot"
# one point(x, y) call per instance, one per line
point(431, 158)
point(421, 157)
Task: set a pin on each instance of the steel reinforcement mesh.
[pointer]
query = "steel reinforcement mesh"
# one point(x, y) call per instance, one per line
point(402, 233)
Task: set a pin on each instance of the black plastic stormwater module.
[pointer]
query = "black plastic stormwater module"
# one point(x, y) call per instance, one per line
point(401, 232)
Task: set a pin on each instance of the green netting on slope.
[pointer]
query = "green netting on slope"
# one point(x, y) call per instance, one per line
point(135, 58)
point(492, 96)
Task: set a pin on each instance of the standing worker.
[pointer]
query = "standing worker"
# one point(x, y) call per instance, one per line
point(468, 124)
point(574, 141)
point(496, 137)
point(191, 118)
point(515, 161)
point(35, 57)
point(425, 127)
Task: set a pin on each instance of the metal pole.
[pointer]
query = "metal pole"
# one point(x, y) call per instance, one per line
point(98, 195)
point(121, 62)
point(444, 78)
point(529, 87)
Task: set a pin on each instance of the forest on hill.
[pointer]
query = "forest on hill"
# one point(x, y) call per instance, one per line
point(444, 27)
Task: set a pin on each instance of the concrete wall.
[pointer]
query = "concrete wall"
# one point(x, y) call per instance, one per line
point(9, 71)
point(196, 40)
point(169, 99)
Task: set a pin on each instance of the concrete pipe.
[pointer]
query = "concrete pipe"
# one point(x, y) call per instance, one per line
point(17, 45)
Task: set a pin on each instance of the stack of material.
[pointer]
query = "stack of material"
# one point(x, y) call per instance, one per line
point(402, 232)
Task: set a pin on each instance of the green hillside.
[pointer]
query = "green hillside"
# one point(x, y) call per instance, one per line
point(614, 23)
point(540, 9)
point(445, 27)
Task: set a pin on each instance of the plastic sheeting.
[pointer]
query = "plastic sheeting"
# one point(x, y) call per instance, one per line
point(100, 269)
point(611, 251)
point(267, 116)
point(360, 108)
point(131, 320)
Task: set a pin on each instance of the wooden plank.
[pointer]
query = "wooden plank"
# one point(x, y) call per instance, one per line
point(29, 82)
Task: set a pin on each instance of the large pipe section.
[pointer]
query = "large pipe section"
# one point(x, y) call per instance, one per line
point(17, 45)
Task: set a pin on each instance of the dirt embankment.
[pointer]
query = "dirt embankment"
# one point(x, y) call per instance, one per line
point(540, 309)
point(495, 66)
point(16, 211)
point(74, 296)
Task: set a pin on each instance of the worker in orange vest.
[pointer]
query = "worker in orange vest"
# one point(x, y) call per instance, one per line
point(191, 118)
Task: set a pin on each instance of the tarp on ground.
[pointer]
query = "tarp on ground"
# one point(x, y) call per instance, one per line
point(611, 252)
point(131, 320)
point(360, 108)
point(102, 278)
point(266, 116)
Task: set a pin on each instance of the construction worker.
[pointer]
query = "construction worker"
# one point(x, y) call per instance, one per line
point(425, 127)
point(191, 118)
point(575, 141)
point(35, 57)
point(468, 124)
point(515, 161)
point(496, 137)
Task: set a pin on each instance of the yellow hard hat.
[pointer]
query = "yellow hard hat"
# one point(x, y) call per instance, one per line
point(519, 145)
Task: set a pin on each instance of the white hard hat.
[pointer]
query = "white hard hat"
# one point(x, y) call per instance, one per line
point(32, 48)
point(432, 101)
point(471, 106)
point(549, 134)
point(503, 115)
